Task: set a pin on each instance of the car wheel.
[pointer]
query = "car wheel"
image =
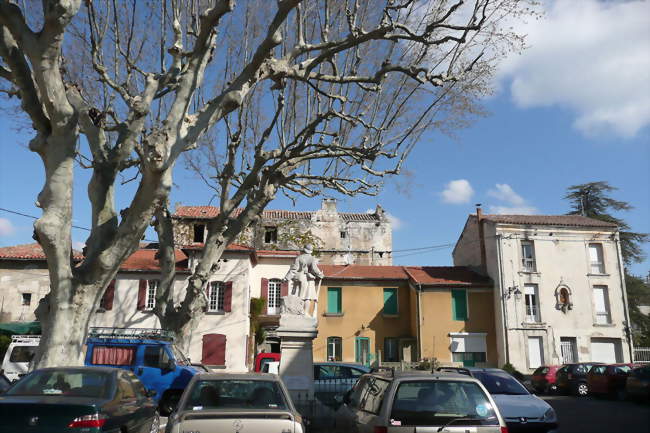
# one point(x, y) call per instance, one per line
point(155, 423)
point(582, 389)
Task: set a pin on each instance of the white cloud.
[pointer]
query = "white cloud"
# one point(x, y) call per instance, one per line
point(6, 227)
point(590, 56)
point(395, 222)
point(504, 192)
point(457, 192)
point(513, 210)
point(513, 203)
point(79, 246)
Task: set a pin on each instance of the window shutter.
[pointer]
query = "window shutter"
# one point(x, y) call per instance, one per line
point(227, 296)
point(107, 300)
point(284, 288)
point(142, 294)
point(459, 304)
point(265, 294)
point(214, 349)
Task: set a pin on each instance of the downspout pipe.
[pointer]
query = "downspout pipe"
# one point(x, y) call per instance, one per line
point(502, 299)
point(419, 290)
point(621, 273)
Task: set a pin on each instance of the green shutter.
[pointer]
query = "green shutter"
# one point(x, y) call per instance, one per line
point(390, 301)
point(459, 304)
point(334, 300)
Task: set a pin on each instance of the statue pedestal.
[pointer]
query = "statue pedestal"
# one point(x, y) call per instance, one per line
point(297, 333)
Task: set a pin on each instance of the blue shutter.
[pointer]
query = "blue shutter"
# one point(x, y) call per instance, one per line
point(459, 304)
point(390, 301)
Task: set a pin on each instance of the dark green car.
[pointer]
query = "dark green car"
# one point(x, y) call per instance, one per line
point(78, 399)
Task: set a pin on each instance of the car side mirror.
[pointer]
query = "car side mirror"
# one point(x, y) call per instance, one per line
point(170, 366)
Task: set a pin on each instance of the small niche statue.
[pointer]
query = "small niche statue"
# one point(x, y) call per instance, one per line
point(303, 274)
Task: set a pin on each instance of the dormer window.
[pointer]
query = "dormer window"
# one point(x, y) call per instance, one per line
point(199, 233)
point(270, 235)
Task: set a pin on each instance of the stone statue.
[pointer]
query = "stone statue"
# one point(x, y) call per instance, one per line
point(303, 273)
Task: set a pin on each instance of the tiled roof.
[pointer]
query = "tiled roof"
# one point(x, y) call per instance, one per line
point(146, 260)
point(549, 220)
point(29, 252)
point(360, 272)
point(200, 245)
point(446, 276)
point(207, 212)
point(276, 253)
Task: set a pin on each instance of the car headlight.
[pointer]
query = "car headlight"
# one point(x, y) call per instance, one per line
point(549, 416)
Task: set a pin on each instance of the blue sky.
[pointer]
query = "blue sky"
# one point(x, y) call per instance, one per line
point(569, 110)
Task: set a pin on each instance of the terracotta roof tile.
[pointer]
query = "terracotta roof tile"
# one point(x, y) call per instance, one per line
point(447, 276)
point(361, 272)
point(146, 260)
point(552, 220)
point(276, 253)
point(207, 212)
point(29, 252)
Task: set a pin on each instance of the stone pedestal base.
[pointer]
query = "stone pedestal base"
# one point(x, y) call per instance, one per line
point(296, 335)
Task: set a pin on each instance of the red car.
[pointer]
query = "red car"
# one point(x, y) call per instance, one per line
point(264, 358)
point(543, 379)
point(609, 379)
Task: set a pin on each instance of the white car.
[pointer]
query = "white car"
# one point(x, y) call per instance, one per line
point(19, 355)
point(235, 403)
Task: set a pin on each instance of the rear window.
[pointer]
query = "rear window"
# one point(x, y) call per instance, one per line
point(624, 369)
point(113, 355)
point(434, 403)
point(22, 353)
point(91, 384)
point(235, 394)
point(500, 383)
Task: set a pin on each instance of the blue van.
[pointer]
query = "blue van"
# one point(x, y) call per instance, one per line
point(150, 354)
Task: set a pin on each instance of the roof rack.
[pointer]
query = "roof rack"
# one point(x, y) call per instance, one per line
point(382, 369)
point(139, 333)
point(458, 370)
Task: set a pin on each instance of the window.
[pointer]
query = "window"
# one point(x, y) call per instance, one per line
point(596, 259)
point(274, 297)
point(344, 235)
point(459, 304)
point(601, 305)
point(535, 352)
point(270, 235)
point(374, 396)
point(199, 233)
point(334, 300)
point(532, 306)
point(391, 353)
point(334, 352)
point(390, 301)
point(22, 353)
point(27, 298)
point(468, 348)
point(152, 287)
point(155, 356)
point(216, 294)
point(113, 355)
point(528, 256)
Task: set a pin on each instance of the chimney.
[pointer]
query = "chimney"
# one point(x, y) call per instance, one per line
point(329, 205)
point(481, 236)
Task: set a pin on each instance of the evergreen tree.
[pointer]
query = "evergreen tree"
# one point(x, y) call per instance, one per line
point(593, 200)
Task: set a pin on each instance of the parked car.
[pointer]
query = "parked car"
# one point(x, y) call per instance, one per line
point(543, 379)
point(335, 378)
point(521, 410)
point(261, 359)
point(78, 399)
point(609, 380)
point(20, 353)
point(391, 402)
point(150, 354)
point(637, 385)
point(572, 378)
point(233, 403)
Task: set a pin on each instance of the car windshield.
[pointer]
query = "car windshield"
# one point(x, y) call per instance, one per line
point(429, 402)
point(500, 383)
point(237, 394)
point(22, 353)
point(72, 383)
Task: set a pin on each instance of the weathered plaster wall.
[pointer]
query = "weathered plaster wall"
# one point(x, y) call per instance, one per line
point(18, 277)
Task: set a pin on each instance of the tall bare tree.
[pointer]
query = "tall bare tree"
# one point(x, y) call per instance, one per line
point(291, 96)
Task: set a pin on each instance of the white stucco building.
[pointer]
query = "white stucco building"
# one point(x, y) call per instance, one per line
point(559, 287)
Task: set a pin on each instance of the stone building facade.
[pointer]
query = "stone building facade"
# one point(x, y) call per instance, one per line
point(339, 237)
point(559, 290)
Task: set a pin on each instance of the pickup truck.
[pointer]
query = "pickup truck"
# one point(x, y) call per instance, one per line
point(150, 354)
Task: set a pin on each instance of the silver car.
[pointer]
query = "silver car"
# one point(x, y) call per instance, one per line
point(420, 402)
point(235, 403)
